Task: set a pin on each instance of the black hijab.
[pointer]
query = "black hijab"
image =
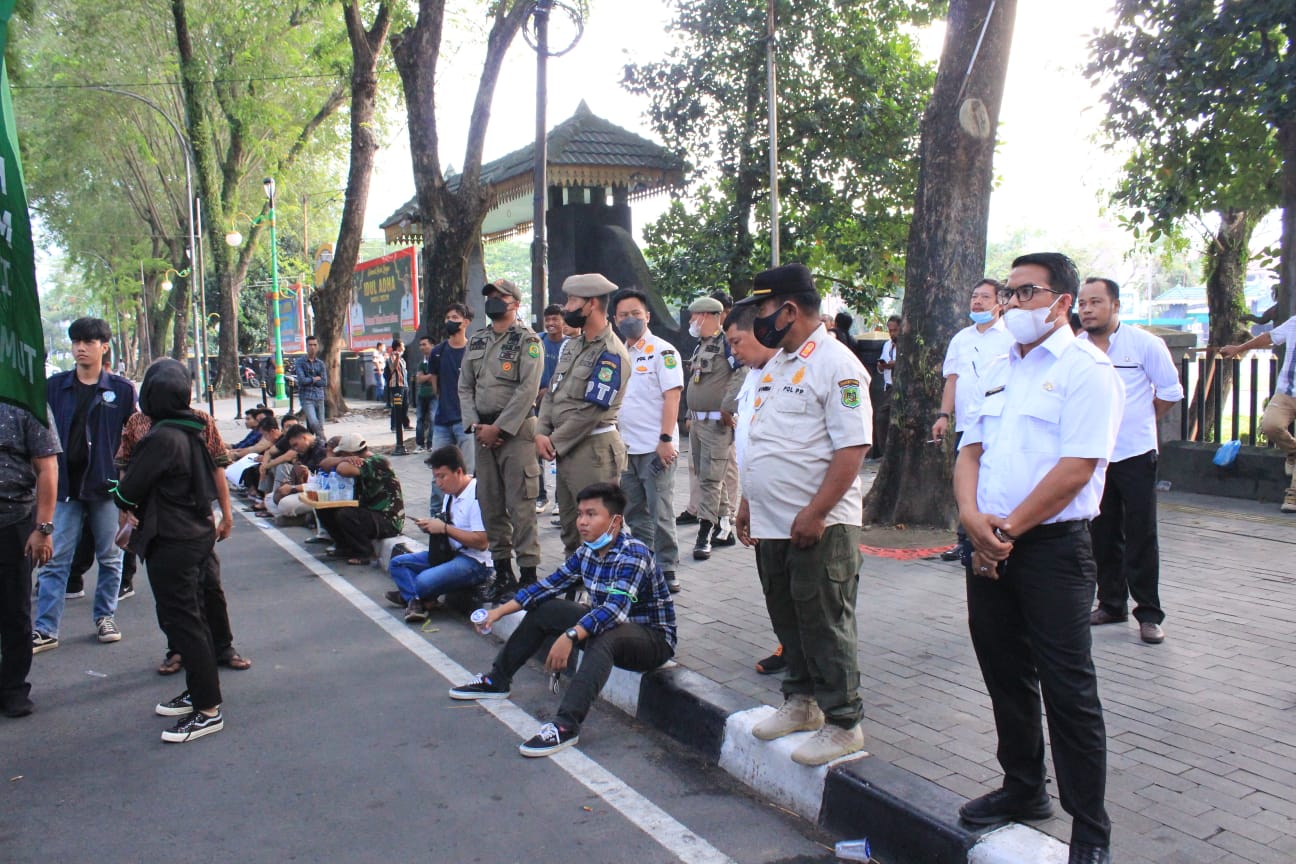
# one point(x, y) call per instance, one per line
point(164, 397)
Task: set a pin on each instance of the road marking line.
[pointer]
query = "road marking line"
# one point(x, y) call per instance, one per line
point(659, 825)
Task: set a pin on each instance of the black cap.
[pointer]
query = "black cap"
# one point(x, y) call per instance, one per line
point(782, 281)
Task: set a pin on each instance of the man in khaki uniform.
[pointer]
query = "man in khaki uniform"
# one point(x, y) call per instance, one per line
point(712, 405)
point(579, 413)
point(498, 385)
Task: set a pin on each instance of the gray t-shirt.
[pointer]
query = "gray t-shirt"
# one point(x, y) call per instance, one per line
point(22, 439)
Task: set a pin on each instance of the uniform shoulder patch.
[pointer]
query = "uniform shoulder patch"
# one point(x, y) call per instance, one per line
point(850, 392)
point(807, 349)
point(669, 360)
point(533, 350)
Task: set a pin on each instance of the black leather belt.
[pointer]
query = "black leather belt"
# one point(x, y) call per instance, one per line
point(1053, 530)
point(487, 419)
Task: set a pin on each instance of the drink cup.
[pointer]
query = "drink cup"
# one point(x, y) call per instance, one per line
point(478, 617)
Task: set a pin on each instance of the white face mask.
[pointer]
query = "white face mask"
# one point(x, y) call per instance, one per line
point(695, 329)
point(1028, 325)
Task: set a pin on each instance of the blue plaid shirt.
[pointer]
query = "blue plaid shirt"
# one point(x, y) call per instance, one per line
point(624, 584)
point(306, 369)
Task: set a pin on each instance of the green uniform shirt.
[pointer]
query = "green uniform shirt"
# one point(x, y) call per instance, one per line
point(500, 377)
point(586, 389)
point(716, 377)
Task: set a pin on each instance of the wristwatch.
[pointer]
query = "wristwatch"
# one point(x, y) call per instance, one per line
point(665, 439)
point(46, 528)
point(572, 635)
point(944, 414)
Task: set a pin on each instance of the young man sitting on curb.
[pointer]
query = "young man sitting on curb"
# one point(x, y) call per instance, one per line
point(419, 582)
point(629, 622)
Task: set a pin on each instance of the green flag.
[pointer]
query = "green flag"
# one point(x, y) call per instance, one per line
point(22, 341)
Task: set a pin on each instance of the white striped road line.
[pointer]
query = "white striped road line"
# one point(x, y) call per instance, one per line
point(659, 825)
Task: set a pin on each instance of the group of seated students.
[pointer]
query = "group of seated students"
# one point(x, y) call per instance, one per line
point(626, 619)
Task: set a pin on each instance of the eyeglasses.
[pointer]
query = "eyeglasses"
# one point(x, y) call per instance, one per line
point(1024, 293)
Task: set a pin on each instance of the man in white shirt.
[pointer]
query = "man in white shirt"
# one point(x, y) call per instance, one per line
point(1125, 532)
point(967, 358)
point(419, 582)
point(803, 503)
point(648, 421)
point(1028, 480)
point(882, 411)
point(1281, 410)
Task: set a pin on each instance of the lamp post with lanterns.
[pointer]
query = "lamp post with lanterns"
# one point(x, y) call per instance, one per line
point(234, 238)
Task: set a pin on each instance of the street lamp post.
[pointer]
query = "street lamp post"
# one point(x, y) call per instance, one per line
point(269, 185)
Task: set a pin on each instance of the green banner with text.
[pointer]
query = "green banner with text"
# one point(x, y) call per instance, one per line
point(22, 341)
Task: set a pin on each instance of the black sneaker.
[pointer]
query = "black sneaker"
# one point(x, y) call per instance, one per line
point(180, 706)
point(482, 688)
point(19, 708)
point(396, 599)
point(126, 591)
point(723, 535)
point(1000, 806)
point(686, 518)
point(773, 663)
point(672, 583)
point(193, 727)
point(550, 739)
point(43, 642)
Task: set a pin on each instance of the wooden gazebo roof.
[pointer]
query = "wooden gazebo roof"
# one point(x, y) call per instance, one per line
point(584, 150)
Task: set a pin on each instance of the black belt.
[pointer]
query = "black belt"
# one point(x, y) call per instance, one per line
point(487, 419)
point(1054, 530)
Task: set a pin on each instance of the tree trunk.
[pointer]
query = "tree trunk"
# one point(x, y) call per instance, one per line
point(1226, 266)
point(945, 258)
point(1287, 260)
point(331, 300)
point(451, 221)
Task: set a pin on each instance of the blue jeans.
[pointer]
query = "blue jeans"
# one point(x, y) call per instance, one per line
point(446, 434)
point(101, 517)
point(314, 411)
point(415, 578)
point(423, 420)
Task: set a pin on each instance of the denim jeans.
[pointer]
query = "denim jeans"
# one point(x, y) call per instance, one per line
point(426, 409)
point(314, 411)
point(445, 434)
point(101, 518)
point(415, 578)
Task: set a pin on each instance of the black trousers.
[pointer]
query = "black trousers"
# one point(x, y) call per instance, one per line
point(1030, 629)
point(175, 571)
point(881, 422)
point(354, 529)
point(629, 645)
point(84, 558)
point(215, 609)
point(1125, 540)
point(15, 614)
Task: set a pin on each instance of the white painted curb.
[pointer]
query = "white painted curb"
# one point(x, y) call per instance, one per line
point(1018, 844)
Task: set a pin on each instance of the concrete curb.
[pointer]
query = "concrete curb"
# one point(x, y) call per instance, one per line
point(906, 817)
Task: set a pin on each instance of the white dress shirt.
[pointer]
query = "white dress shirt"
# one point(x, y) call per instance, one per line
point(465, 513)
point(655, 369)
point(968, 356)
point(888, 357)
point(1147, 370)
point(810, 403)
point(746, 407)
point(1061, 400)
point(1283, 334)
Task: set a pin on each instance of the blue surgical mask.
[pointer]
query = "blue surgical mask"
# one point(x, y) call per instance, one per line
point(602, 541)
point(981, 317)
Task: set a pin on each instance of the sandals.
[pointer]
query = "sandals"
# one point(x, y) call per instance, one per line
point(171, 665)
point(234, 660)
point(356, 562)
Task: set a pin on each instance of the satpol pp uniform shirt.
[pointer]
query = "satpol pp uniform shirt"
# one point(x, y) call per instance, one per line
point(1143, 363)
point(655, 369)
point(746, 407)
point(968, 356)
point(809, 404)
point(1061, 400)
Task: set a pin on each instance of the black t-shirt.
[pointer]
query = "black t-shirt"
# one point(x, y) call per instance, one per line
point(78, 450)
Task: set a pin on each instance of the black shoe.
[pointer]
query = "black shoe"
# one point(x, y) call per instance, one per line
point(672, 584)
point(550, 739)
point(193, 727)
point(528, 575)
point(702, 547)
point(395, 598)
point(773, 663)
point(180, 706)
point(951, 554)
point(482, 688)
point(686, 518)
point(723, 535)
point(1087, 853)
point(18, 708)
point(999, 806)
point(125, 591)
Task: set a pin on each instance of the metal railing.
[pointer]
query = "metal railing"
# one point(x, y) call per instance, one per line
point(1217, 392)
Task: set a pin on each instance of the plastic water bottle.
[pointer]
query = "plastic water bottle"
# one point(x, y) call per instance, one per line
point(345, 488)
point(854, 850)
point(326, 486)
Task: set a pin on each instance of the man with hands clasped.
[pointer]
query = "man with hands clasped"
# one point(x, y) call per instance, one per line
point(1028, 480)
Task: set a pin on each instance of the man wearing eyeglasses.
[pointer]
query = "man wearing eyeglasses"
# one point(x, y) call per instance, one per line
point(1028, 480)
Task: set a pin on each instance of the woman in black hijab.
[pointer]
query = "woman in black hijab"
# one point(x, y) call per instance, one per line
point(169, 487)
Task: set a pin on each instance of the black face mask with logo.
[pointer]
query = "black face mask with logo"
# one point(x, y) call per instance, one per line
point(496, 308)
point(766, 332)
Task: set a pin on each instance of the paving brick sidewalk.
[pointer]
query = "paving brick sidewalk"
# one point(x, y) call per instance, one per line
point(1201, 729)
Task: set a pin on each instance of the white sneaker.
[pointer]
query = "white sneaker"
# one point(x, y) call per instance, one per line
point(1289, 465)
point(799, 713)
point(829, 743)
point(1289, 501)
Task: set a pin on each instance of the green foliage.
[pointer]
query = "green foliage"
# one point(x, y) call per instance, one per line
point(851, 89)
point(1199, 88)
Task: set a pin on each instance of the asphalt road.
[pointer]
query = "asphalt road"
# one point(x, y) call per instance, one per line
point(340, 744)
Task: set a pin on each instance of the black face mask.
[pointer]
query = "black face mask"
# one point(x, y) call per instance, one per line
point(575, 318)
point(496, 308)
point(631, 329)
point(765, 331)
point(453, 327)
